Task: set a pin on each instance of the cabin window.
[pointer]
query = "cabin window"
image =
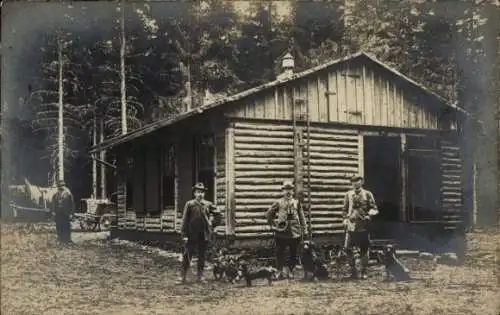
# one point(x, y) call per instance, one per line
point(168, 176)
point(130, 182)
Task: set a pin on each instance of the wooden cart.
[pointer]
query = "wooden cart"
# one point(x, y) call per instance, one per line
point(98, 215)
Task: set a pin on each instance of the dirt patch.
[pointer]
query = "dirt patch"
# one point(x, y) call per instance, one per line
point(101, 277)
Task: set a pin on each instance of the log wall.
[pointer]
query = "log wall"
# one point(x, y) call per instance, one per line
point(352, 93)
point(451, 184)
point(264, 158)
point(121, 199)
point(139, 183)
point(220, 178)
point(334, 157)
point(170, 218)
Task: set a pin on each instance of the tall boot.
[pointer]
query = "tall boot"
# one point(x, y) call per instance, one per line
point(200, 277)
point(354, 272)
point(182, 278)
point(364, 266)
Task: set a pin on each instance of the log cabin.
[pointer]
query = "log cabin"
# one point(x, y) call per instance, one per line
point(318, 128)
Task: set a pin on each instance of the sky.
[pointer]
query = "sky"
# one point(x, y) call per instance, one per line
point(282, 7)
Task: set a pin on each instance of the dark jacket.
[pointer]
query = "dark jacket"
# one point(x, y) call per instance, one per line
point(64, 205)
point(291, 211)
point(196, 222)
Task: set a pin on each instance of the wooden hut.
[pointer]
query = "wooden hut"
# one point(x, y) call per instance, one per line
point(317, 127)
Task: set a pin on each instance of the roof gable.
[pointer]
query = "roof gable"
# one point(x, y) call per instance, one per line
point(280, 81)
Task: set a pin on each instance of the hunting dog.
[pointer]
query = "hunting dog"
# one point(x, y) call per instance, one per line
point(219, 266)
point(226, 266)
point(394, 268)
point(314, 266)
point(337, 256)
point(232, 270)
point(268, 273)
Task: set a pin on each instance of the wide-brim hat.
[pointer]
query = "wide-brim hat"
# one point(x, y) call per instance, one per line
point(199, 186)
point(287, 185)
point(355, 178)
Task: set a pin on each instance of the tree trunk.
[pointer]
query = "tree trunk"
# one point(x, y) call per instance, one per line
point(60, 135)
point(94, 162)
point(189, 88)
point(6, 164)
point(122, 71)
point(102, 158)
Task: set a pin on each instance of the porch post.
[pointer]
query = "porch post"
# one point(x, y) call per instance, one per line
point(404, 179)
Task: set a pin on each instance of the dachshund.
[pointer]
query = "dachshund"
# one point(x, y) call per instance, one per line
point(268, 273)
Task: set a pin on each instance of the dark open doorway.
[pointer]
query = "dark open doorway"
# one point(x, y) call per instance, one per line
point(383, 178)
point(204, 164)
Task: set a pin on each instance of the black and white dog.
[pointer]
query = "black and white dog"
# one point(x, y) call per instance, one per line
point(394, 268)
point(226, 267)
point(268, 273)
point(232, 270)
point(314, 266)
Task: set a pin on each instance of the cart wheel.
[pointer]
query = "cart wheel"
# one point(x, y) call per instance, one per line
point(105, 223)
point(88, 225)
point(95, 226)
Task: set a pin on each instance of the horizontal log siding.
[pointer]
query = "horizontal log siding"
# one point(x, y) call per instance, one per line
point(451, 185)
point(334, 159)
point(264, 159)
point(220, 178)
point(168, 219)
point(121, 191)
point(359, 94)
point(121, 198)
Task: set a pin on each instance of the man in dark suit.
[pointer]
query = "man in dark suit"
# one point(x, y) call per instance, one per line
point(197, 229)
point(63, 208)
point(291, 227)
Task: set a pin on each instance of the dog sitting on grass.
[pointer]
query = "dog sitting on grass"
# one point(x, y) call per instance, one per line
point(225, 267)
point(394, 268)
point(314, 267)
point(268, 273)
point(232, 269)
point(219, 268)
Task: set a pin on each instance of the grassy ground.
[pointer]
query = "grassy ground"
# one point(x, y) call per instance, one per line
point(99, 277)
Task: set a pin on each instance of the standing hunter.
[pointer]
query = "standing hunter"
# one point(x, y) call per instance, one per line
point(64, 207)
point(289, 230)
point(197, 230)
point(359, 208)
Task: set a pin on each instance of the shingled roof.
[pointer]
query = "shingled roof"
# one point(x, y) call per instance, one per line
point(200, 110)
